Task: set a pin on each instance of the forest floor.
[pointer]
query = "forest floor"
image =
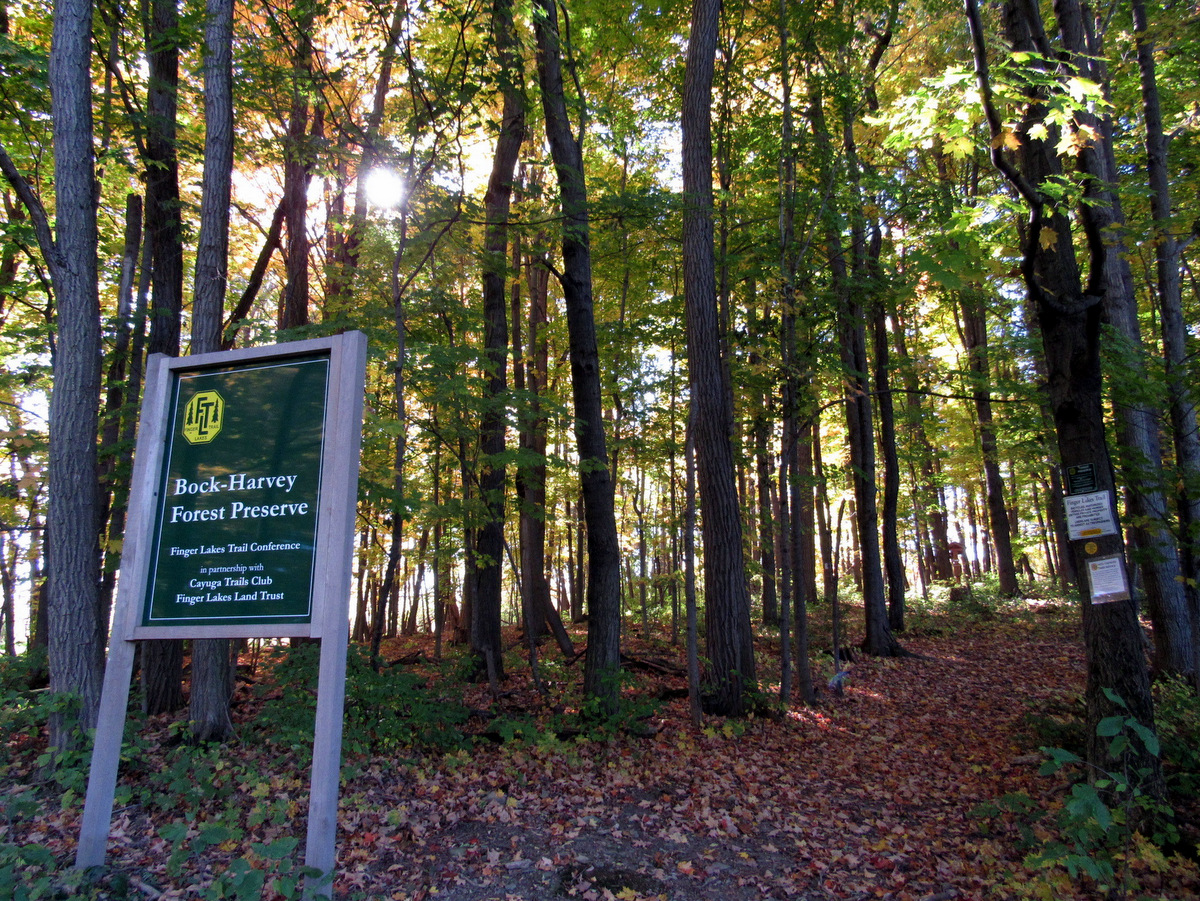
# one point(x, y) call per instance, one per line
point(887, 792)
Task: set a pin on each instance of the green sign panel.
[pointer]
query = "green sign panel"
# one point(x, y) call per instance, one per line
point(236, 518)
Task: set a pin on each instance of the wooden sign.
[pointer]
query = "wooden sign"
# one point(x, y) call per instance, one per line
point(245, 478)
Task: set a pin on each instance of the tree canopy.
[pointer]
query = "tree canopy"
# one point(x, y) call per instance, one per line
point(932, 268)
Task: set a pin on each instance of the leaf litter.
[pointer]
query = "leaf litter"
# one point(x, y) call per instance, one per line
point(871, 795)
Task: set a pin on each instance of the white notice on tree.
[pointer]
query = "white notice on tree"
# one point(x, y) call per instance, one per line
point(1090, 515)
point(1106, 577)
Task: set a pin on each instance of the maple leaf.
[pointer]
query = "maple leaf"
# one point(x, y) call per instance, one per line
point(1048, 238)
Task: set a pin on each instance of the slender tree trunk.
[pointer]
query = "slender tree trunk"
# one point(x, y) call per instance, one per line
point(122, 391)
point(346, 249)
point(766, 523)
point(532, 477)
point(825, 536)
point(974, 324)
point(603, 659)
point(485, 624)
point(1184, 428)
point(695, 704)
point(892, 560)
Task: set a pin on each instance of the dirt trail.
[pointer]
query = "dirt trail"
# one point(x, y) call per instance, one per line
point(867, 796)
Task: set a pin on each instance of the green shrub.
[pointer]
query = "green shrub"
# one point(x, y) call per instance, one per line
point(1177, 717)
point(385, 711)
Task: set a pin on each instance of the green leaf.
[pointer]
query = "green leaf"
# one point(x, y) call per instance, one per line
point(278, 849)
point(1086, 803)
point(1148, 737)
point(173, 832)
point(1115, 698)
point(1110, 726)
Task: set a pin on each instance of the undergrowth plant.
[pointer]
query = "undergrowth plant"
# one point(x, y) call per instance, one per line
point(386, 712)
point(1177, 718)
point(1095, 834)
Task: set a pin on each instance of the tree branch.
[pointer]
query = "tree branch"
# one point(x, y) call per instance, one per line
point(37, 212)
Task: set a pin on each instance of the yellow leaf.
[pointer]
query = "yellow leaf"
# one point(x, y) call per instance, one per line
point(1048, 238)
point(1006, 139)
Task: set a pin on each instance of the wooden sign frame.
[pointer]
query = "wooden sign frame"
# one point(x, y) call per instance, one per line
point(330, 582)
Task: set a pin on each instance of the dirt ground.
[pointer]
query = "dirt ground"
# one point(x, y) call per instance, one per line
point(871, 795)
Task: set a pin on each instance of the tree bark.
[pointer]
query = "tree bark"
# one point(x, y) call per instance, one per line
point(603, 659)
point(73, 552)
point(485, 624)
point(727, 601)
point(1069, 317)
point(1174, 336)
point(213, 661)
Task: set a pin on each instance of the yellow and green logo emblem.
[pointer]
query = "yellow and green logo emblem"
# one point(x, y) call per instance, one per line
point(202, 417)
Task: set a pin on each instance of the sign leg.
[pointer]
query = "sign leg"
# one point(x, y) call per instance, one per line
point(106, 756)
point(321, 846)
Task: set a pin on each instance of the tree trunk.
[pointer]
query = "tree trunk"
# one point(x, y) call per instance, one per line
point(122, 392)
point(1174, 335)
point(766, 523)
point(293, 307)
point(532, 476)
point(164, 215)
point(974, 323)
point(604, 553)
point(892, 560)
point(162, 661)
point(213, 662)
point(727, 602)
point(1137, 439)
point(73, 552)
point(485, 624)
point(1069, 318)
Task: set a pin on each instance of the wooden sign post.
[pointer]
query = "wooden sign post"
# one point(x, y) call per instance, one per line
point(241, 525)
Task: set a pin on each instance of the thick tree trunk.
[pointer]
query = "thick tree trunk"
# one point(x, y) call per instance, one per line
point(727, 611)
point(162, 661)
point(73, 552)
point(603, 659)
point(214, 664)
point(164, 219)
point(1139, 449)
point(1069, 318)
point(212, 247)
